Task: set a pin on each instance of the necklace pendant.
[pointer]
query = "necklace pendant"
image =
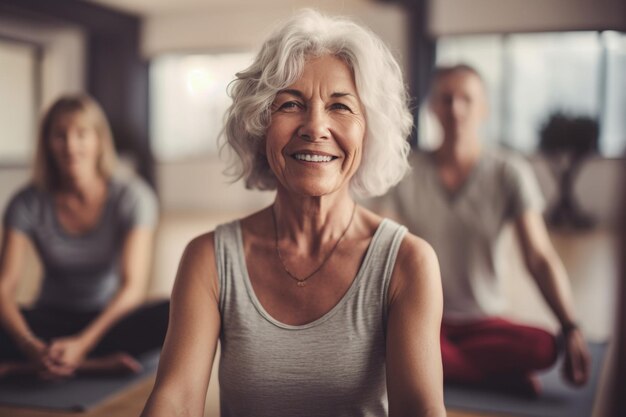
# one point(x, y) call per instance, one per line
point(301, 283)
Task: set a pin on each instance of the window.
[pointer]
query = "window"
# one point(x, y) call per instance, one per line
point(613, 121)
point(188, 101)
point(19, 65)
point(533, 76)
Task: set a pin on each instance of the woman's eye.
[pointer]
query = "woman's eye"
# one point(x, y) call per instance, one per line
point(57, 136)
point(340, 106)
point(290, 106)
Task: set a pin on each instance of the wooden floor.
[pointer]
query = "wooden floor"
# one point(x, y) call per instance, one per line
point(127, 404)
point(130, 403)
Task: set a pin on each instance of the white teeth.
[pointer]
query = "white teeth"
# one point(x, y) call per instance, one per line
point(312, 158)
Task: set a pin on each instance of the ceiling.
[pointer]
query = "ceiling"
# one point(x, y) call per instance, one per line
point(159, 7)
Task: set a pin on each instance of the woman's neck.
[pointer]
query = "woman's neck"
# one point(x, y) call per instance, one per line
point(84, 189)
point(309, 222)
point(459, 153)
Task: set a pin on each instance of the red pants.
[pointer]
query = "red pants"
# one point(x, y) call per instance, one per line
point(494, 348)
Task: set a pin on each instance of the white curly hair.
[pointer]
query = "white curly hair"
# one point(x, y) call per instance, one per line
point(280, 63)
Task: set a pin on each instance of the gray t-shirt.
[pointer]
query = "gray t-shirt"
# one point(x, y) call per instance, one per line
point(464, 227)
point(81, 272)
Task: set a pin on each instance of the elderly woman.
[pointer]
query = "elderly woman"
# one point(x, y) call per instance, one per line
point(93, 234)
point(322, 308)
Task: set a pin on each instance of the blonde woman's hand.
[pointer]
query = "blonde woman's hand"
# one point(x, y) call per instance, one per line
point(67, 353)
point(35, 350)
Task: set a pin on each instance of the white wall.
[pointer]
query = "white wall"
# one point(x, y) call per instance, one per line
point(449, 17)
point(200, 185)
point(244, 28)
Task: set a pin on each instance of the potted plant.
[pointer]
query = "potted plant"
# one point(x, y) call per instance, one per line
point(568, 141)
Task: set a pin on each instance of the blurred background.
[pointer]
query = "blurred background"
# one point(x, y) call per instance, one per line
point(160, 70)
point(555, 71)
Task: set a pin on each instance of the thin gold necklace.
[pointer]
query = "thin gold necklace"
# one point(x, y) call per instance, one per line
point(302, 281)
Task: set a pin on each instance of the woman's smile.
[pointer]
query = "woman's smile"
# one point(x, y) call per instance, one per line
point(313, 157)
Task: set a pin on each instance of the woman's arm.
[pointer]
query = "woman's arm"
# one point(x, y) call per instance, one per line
point(135, 266)
point(14, 245)
point(194, 327)
point(414, 370)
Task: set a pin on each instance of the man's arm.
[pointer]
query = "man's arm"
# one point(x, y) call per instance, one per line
point(548, 271)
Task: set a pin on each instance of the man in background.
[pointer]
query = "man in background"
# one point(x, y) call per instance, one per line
point(458, 198)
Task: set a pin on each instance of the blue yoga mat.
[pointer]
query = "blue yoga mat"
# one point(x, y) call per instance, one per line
point(556, 400)
point(77, 394)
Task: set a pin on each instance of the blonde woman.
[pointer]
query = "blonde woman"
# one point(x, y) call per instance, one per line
point(93, 233)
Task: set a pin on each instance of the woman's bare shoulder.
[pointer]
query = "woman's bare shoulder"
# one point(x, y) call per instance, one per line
point(197, 265)
point(416, 269)
point(416, 250)
point(200, 247)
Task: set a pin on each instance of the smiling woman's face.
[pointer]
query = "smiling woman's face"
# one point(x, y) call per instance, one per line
point(315, 138)
point(74, 145)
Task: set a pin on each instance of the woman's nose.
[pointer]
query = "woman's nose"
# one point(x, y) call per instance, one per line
point(71, 143)
point(315, 125)
point(458, 107)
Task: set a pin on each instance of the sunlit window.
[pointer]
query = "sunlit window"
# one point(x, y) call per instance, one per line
point(531, 77)
point(613, 122)
point(18, 101)
point(550, 74)
point(188, 100)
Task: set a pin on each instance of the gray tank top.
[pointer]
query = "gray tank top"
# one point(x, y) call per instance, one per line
point(333, 366)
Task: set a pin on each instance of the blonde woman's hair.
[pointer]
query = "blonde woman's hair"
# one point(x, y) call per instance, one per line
point(46, 174)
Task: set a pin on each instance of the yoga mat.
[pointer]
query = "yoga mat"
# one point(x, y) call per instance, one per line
point(76, 394)
point(556, 400)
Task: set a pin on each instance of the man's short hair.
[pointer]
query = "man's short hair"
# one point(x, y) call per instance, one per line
point(445, 70)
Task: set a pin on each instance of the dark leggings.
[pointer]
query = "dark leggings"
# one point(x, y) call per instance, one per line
point(140, 331)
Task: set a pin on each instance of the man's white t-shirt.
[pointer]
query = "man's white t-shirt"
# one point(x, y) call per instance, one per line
point(464, 226)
